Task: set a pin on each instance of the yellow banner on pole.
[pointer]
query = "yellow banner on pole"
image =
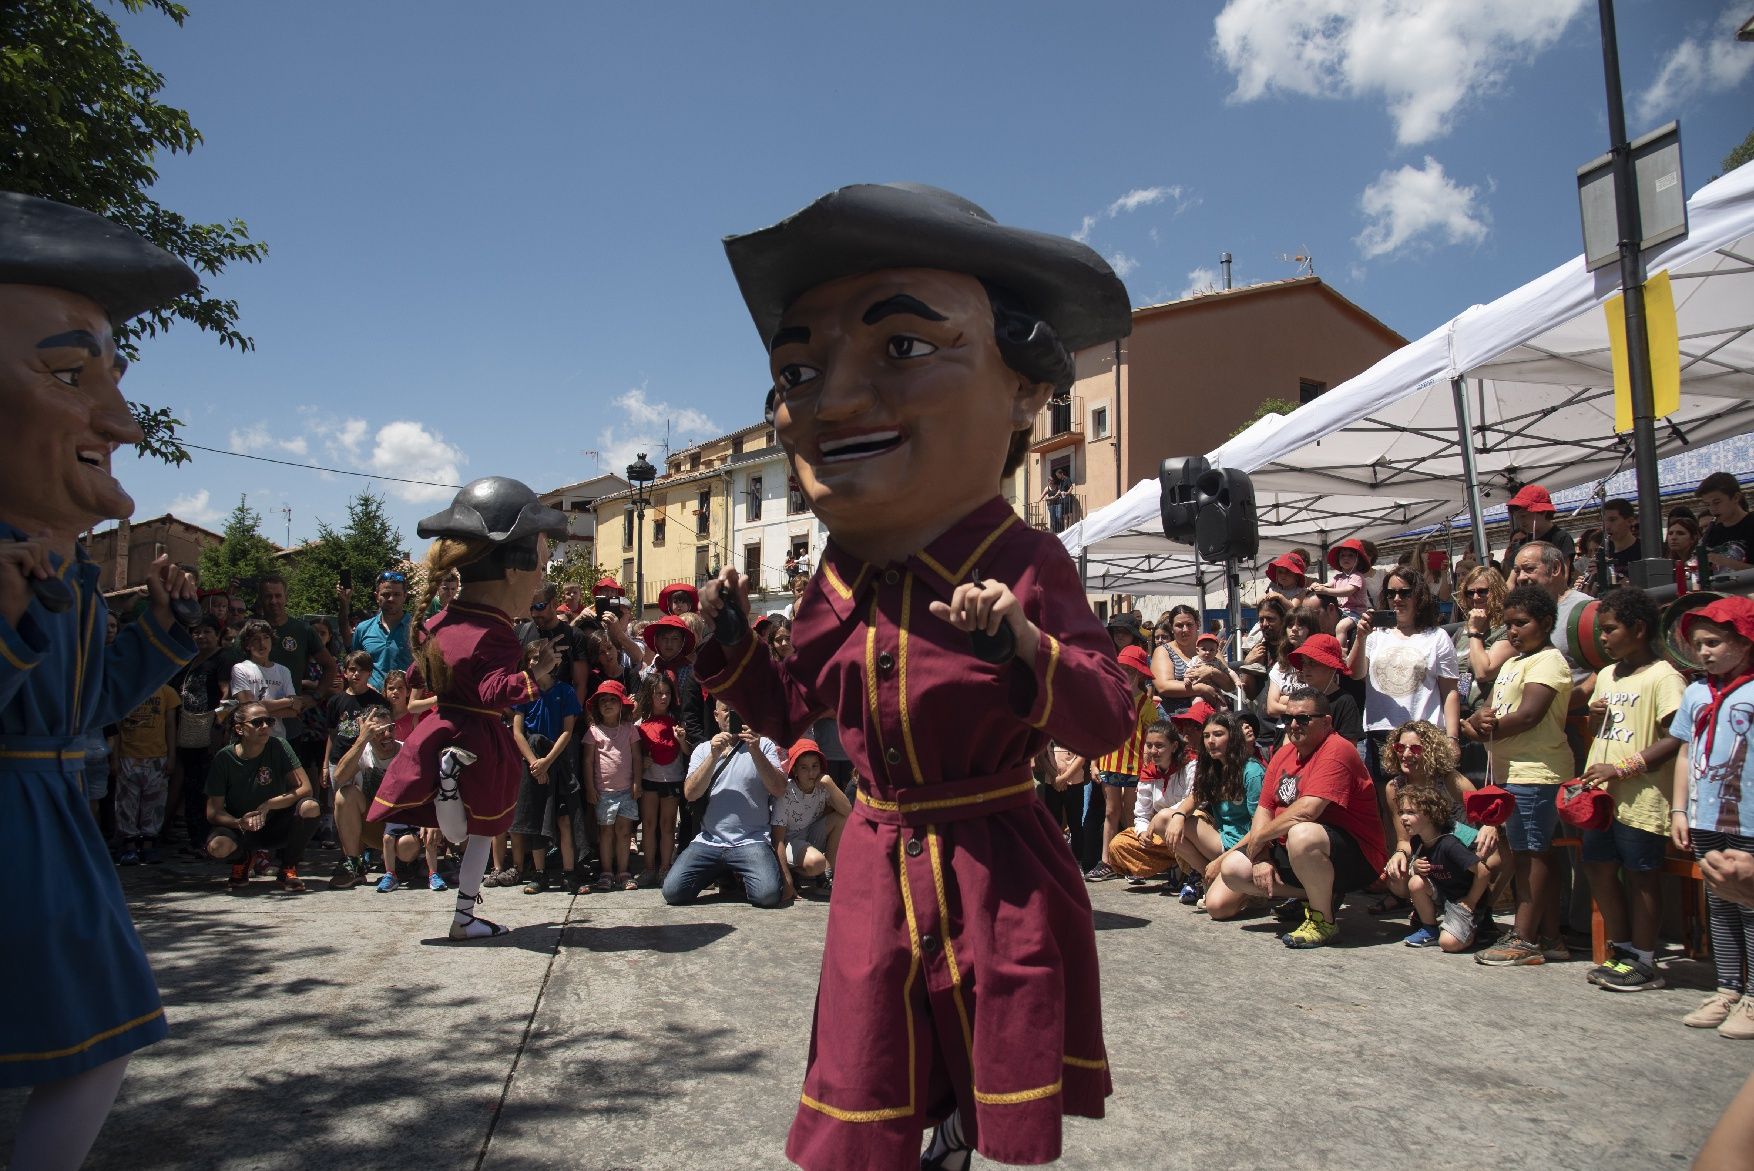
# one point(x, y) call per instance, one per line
point(1665, 351)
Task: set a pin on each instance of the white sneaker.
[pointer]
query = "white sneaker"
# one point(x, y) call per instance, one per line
point(1714, 1011)
point(1739, 1025)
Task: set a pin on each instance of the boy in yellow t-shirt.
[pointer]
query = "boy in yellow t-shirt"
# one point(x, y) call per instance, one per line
point(146, 753)
point(1629, 714)
point(1523, 727)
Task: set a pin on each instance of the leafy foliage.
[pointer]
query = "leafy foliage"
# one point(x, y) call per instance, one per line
point(367, 546)
point(1740, 154)
point(243, 558)
point(83, 126)
point(1267, 406)
point(576, 566)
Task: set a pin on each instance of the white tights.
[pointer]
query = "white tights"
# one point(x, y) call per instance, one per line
point(61, 1118)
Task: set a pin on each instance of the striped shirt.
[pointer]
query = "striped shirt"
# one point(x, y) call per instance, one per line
point(1130, 756)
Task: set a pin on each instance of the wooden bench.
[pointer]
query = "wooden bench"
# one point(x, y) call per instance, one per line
point(1697, 939)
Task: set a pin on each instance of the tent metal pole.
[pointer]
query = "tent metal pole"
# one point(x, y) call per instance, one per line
point(1233, 607)
point(1470, 474)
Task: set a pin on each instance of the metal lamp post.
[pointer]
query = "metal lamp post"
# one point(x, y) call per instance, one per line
point(640, 473)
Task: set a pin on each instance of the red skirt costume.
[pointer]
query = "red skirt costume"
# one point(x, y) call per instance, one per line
point(487, 677)
point(960, 962)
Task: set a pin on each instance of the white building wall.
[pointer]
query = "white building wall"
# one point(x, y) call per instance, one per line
point(776, 530)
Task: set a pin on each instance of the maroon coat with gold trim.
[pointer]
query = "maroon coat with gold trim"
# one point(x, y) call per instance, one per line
point(481, 648)
point(960, 963)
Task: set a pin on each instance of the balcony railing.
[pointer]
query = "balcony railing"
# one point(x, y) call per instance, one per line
point(1059, 424)
point(1057, 517)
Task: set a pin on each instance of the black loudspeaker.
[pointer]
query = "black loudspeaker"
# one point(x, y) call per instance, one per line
point(1180, 503)
point(1225, 528)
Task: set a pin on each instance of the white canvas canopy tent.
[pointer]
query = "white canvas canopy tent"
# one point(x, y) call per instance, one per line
point(1528, 377)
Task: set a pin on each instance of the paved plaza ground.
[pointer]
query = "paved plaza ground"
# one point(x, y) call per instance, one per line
point(332, 1030)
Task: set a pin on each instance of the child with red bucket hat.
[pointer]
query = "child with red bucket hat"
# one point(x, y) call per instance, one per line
point(807, 820)
point(1714, 775)
point(1350, 561)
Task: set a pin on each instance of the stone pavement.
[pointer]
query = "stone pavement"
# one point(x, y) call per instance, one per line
point(611, 1032)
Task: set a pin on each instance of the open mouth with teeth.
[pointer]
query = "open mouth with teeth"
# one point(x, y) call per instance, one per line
point(846, 448)
point(92, 457)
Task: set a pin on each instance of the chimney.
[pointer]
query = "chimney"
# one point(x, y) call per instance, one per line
point(123, 534)
point(1224, 263)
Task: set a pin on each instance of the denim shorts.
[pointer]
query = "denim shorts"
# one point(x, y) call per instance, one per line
point(613, 805)
point(1120, 780)
point(1633, 848)
point(1533, 814)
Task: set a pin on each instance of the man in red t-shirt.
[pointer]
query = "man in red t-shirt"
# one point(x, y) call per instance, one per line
point(1316, 834)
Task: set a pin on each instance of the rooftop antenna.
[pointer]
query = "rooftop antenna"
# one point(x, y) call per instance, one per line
point(1224, 263)
point(287, 513)
point(1303, 260)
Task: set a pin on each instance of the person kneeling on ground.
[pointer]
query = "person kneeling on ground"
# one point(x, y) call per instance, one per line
point(738, 772)
point(807, 820)
point(258, 798)
point(1316, 835)
point(1441, 873)
point(1147, 848)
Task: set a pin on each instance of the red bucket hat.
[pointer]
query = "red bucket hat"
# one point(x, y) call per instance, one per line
point(1532, 498)
point(671, 591)
point(612, 687)
point(608, 585)
point(1136, 658)
point(1209, 636)
point(1292, 562)
point(1197, 714)
point(1323, 649)
point(1737, 613)
point(668, 622)
point(1488, 805)
point(1585, 808)
point(800, 750)
point(1365, 560)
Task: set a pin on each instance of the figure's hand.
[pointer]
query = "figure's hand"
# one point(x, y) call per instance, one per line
point(21, 562)
point(986, 607)
point(165, 581)
point(1598, 775)
point(547, 658)
point(729, 584)
point(1730, 875)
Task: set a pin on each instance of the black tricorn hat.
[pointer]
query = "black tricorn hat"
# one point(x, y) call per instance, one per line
point(47, 243)
point(497, 509)
point(872, 226)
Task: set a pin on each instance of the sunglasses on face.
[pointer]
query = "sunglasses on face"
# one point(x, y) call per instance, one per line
point(1476, 593)
point(1297, 721)
point(1409, 750)
point(259, 721)
point(1397, 592)
point(392, 575)
point(538, 607)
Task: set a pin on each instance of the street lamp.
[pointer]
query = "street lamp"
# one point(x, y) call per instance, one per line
point(640, 473)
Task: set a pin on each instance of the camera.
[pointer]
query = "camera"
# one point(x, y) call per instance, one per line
point(604, 603)
point(734, 724)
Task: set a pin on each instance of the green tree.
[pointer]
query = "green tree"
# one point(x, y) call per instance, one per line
point(1267, 406)
point(576, 566)
point(84, 126)
point(1740, 154)
point(368, 545)
point(243, 558)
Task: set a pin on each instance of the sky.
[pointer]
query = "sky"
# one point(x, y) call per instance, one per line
point(494, 230)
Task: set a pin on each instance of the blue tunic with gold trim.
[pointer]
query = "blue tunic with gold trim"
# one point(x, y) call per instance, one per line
point(77, 988)
point(960, 963)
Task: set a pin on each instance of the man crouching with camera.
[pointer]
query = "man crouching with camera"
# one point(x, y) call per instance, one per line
point(740, 774)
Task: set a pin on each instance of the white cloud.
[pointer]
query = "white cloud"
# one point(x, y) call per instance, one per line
point(195, 508)
point(1710, 61)
point(257, 439)
point(1200, 280)
point(639, 426)
point(1423, 58)
point(1132, 201)
point(405, 448)
point(1122, 264)
point(1409, 207)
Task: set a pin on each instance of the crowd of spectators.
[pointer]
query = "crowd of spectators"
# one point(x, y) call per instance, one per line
point(1361, 740)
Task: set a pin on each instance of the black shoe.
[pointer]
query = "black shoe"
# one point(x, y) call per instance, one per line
point(1289, 912)
point(349, 873)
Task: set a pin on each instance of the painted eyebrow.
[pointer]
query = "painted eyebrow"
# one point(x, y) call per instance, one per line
point(900, 303)
point(785, 337)
point(72, 339)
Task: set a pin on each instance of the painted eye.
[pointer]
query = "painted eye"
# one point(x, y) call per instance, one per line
point(69, 376)
point(903, 346)
point(793, 375)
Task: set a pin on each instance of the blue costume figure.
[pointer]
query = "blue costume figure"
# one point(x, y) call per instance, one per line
point(79, 994)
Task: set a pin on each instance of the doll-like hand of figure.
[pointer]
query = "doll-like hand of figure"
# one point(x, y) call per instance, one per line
point(986, 606)
point(21, 563)
point(725, 593)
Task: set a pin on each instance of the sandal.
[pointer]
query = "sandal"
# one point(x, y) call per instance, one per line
point(627, 881)
point(476, 927)
point(1389, 904)
point(604, 884)
point(538, 883)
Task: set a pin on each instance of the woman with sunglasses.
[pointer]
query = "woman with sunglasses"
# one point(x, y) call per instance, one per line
point(1481, 649)
point(1409, 669)
point(1421, 754)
